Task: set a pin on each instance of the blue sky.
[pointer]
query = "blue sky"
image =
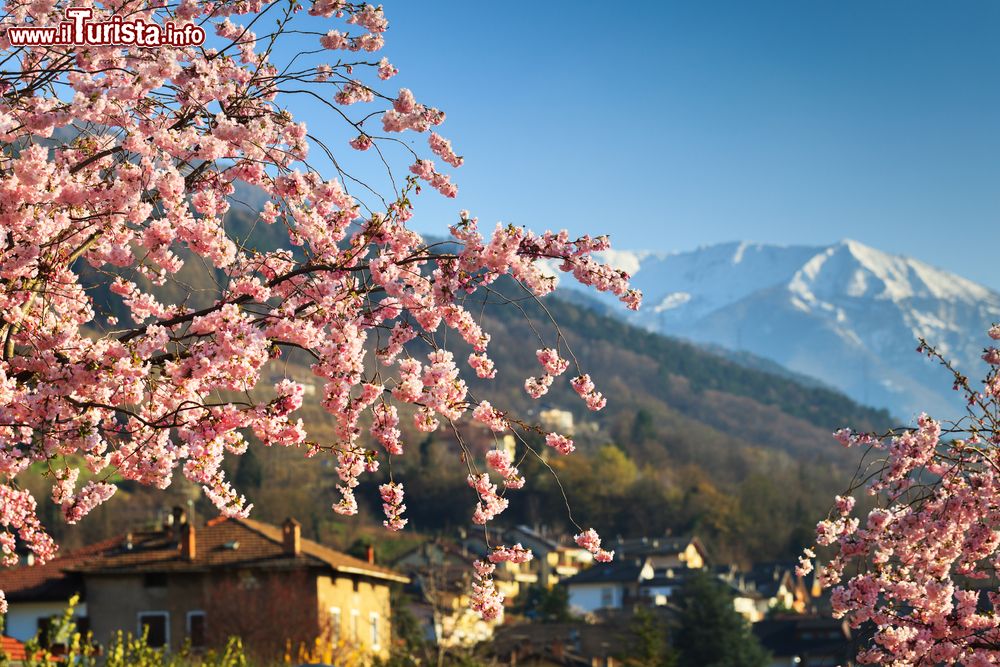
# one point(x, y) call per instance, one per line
point(675, 124)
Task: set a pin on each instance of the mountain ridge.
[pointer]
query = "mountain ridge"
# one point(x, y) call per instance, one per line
point(846, 314)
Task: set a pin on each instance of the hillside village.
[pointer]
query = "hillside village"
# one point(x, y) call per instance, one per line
point(190, 588)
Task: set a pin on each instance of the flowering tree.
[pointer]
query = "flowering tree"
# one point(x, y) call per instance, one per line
point(922, 565)
point(120, 162)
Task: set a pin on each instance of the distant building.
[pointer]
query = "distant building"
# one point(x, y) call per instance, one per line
point(650, 572)
point(512, 579)
point(806, 641)
point(38, 593)
point(669, 552)
point(182, 584)
point(440, 575)
point(646, 571)
point(560, 421)
point(608, 586)
point(766, 587)
point(555, 561)
point(574, 644)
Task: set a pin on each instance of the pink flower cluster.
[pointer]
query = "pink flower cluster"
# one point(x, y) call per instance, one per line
point(151, 385)
point(500, 461)
point(591, 541)
point(514, 554)
point(490, 504)
point(490, 416)
point(918, 566)
point(584, 386)
point(560, 443)
point(442, 148)
point(486, 599)
point(392, 505)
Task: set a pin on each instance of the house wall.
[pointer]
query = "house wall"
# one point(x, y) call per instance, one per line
point(747, 608)
point(591, 597)
point(692, 557)
point(21, 621)
point(360, 598)
point(115, 602)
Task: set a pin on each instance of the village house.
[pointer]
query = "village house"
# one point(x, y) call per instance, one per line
point(650, 572)
point(573, 644)
point(200, 585)
point(663, 553)
point(512, 579)
point(615, 585)
point(556, 561)
point(440, 573)
point(806, 641)
point(38, 593)
point(645, 571)
point(765, 587)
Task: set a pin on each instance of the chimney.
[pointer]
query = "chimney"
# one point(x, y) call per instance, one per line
point(291, 534)
point(558, 654)
point(371, 555)
point(189, 549)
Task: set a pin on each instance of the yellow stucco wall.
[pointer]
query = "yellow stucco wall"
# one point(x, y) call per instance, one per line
point(350, 606)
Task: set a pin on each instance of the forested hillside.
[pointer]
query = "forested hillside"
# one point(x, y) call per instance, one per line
point(689, 441)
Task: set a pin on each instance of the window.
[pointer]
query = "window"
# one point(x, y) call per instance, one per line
point(157, 625)
point(373, 620)
point(196, 628)
point(335, 622)
point(355, 622)
point(44, 627)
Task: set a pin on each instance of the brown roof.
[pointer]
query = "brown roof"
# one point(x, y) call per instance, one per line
point(563, 643)
point(225, 542)
point(49, 581)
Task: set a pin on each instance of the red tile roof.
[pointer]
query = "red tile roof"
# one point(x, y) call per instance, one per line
point(226, 542)
point(13, 649)
point(49, 581)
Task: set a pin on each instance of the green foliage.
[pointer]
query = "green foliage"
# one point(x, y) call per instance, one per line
point(710, 632)
point(547, 605)
point(651, 647)
point(65, 645)
point(249, 472)
point(740, 456)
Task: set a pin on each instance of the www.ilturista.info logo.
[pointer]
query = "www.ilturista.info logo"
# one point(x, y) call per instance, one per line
point(79, 30)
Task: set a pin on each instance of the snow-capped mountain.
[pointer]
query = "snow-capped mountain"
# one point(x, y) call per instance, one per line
point(846, 314)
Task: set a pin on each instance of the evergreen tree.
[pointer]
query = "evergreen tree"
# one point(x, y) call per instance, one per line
point(651, 648)
point(710, 632)
point(547, 605)
point(249, 473)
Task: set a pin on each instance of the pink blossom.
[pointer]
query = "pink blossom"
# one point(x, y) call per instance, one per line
point(560, 443)
point(392, 505)
point(187, 380)
point(386, 70)
point(514, 554)
point(554, 364)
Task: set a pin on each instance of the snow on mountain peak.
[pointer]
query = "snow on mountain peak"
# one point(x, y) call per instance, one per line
point(855, 270)
point(846, 313)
